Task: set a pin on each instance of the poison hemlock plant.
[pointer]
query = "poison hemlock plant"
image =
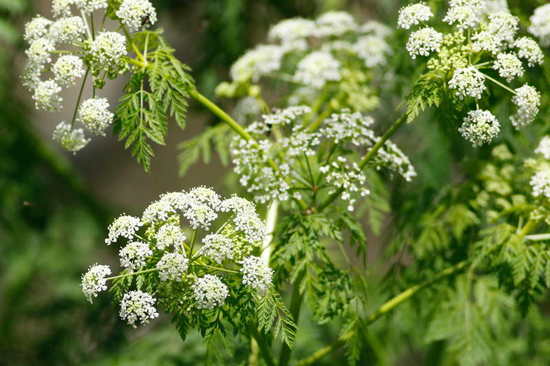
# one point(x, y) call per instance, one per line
point(313, 154)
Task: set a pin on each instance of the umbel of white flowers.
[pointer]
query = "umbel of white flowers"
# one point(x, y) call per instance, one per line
point(317, 50)
point(196, 238)
point(540, 181)
point(299, 147)
point(68, 48)
point(479, 32)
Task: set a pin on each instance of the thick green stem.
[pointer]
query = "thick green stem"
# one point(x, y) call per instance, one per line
point(235, 126)
point(383, 310)
point(295, 306)
point(369, 156)
point(265, 349)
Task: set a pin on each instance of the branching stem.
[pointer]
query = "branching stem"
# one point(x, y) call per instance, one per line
point(384, 309)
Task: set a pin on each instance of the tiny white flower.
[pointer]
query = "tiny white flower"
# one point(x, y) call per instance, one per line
point(508, 66)
point(67, 69)
point(94, 114)
point(256, 274)
point(138, 308)
point(71, 139)
point(480, 127)
point(124, 226)
point(94, 281)
point(468, 82)
point(413, 15)
point(134, 255)
point(209, 292)
point(172, 266)
point(527, 101)
point(135, 13)
point(423, 42)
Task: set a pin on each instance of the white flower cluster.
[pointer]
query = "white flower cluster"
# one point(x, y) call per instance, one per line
point(135, 13)
point(124, 226)
point(544, 147)
point(172, 266)
point(134, 255)
point(71, 139)
point(346, 175)
point(480, 127)
point(63, 50)
point(487, 34)
point(159, 249)
point(527, 102)
point(317, 69)
point(413, 15)
point(256, 273)
point(138, 308)
point(209, 292)
point(94, 281)
point(318, 62)
point(255, 159)
point(540, 24)
point(540, 182)
point(94, 114)
point(468, 82)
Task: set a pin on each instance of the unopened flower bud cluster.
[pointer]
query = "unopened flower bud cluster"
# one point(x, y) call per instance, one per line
point(297, 147)
point(194, 238)
point(485, 34)
point(69, 49)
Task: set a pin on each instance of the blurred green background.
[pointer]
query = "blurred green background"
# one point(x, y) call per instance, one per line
point(55, 207)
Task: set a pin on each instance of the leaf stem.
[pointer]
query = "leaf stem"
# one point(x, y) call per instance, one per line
point(73, 119)
point(500, 84)
point(384, 309)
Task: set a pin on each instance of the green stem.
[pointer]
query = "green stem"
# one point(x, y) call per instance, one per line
point(295, 306)
point(383, 310)
point(235, 126)
point(133, 273)
point(265, 349)
point(73, 119)
point(500, 84)
point(217, 268)
point(369, 156)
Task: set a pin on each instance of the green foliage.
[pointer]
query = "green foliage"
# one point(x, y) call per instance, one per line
point(157, 90)
point(215, 138)
point(274, 317)
point(426, 92)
